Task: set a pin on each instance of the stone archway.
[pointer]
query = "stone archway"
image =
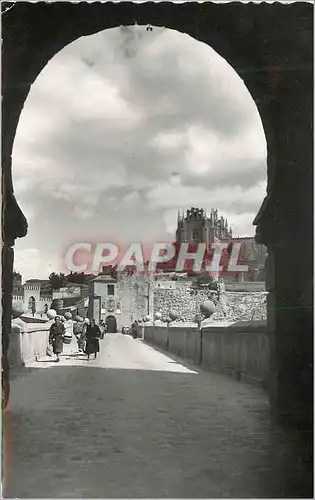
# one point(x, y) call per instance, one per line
point(270, 47)
point(111, 324)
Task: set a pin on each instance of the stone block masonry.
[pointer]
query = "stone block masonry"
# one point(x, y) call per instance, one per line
point(240, 306)
point(141, 296)
point(138, 296)
point(132, 294)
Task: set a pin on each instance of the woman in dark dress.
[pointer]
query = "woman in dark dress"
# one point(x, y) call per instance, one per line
point(135, 329)
point(56, 334)
point(93, 335)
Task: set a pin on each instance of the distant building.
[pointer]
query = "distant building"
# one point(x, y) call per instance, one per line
point(197, 227)
point(254, 255)
point(43, 285)
point(109, 270)
point(104, 301)
point(36, 295)
point(32, 295)
point(119, 301)
point(17, 284)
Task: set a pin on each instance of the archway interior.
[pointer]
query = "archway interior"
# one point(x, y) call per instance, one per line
point(111, 324)
point(31, 303)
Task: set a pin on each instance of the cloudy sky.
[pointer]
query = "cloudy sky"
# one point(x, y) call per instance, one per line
point(123, 128)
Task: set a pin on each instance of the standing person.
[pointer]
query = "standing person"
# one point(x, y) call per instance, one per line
point(85, 326)
point(102, 328)
point(93, 334)
point(77, 330)
point(134, 329)
point(56, 334)
point(68, 324)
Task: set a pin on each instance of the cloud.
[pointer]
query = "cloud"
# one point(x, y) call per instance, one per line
point(30, 261)
point(124, 127)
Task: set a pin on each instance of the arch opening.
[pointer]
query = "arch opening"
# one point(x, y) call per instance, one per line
point(32, 305)
point(111, 324)
point(158, 120)
point(291, 115)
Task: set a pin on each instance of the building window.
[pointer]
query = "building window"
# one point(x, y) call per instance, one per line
point(195, 235)
point(110, 289)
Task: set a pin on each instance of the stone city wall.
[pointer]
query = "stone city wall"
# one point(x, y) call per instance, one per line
point(39, 303)
point(240, 306)
point(132, 295)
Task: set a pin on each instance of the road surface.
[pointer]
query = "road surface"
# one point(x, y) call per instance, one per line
point(135, 423)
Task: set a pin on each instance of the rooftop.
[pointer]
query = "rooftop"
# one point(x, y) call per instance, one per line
point(36, 281)
point(104, 278)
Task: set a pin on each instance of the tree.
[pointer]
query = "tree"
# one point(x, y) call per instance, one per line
point(56, 280)
point(77, 279)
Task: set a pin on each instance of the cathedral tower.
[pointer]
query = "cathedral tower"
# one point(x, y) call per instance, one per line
point(196, 227)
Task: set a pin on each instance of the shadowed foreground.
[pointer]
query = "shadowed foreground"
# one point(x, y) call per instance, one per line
point(135, 423)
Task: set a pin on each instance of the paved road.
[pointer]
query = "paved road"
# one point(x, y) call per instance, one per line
point(135, 423)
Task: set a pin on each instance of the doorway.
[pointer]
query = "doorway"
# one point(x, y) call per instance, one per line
point(32, 305)
point(111, 324)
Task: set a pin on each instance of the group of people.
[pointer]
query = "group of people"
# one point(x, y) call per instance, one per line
point(135, 330)
point(87, 334)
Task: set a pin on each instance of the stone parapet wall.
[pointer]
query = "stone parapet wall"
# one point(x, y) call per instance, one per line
point(15, 347)
point(17, 298)
point(27, 342)
point(241, 352)
point(185, 342)
point(246, 286)
point(29, 318)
